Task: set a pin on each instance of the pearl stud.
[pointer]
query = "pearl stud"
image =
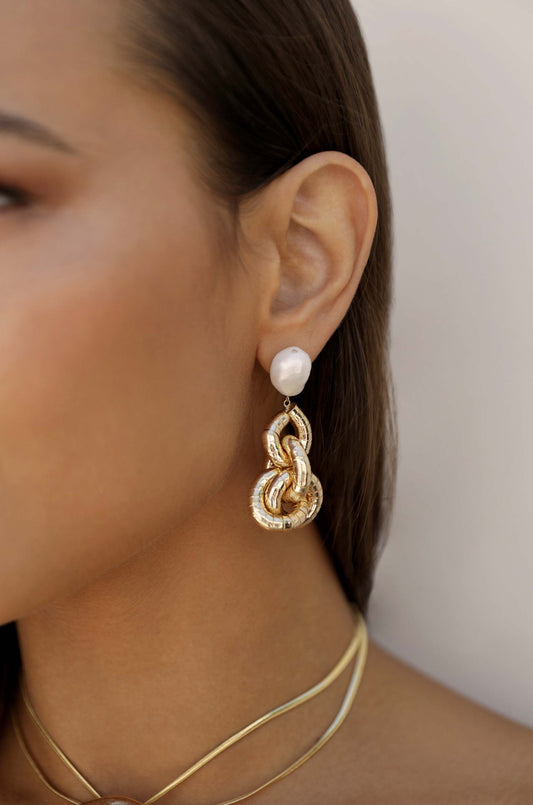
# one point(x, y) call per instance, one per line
point(290, 370)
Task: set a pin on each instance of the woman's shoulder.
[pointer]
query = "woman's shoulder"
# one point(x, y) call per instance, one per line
point(412, 739)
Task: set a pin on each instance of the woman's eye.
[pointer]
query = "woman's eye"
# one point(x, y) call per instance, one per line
point(12, 196)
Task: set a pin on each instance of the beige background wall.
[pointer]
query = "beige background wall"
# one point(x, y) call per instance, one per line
point(454, 587)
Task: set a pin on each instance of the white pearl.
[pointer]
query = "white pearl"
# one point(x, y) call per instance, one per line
point(290, 370)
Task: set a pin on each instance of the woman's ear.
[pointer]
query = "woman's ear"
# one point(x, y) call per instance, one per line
point(314, 225)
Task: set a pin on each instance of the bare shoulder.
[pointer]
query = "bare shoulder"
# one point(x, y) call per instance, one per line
point(412, 739)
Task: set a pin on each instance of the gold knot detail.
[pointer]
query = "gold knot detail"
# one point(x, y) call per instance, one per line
point(114, 801)
point(287, 494)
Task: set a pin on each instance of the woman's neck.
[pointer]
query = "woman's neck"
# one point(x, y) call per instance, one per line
point(145, 670)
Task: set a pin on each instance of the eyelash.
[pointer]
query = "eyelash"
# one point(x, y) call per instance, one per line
point(21, 197)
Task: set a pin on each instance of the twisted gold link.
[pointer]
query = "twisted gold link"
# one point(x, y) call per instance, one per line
point(288, 494)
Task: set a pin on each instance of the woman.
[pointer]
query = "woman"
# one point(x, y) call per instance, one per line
point(188, 191)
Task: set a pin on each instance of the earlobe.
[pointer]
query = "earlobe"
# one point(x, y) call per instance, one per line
point(321, 217)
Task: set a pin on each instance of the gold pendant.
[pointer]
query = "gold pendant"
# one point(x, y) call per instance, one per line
point(114, 801)
point(288, 478)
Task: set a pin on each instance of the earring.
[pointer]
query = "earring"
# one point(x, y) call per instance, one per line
point(287, 494)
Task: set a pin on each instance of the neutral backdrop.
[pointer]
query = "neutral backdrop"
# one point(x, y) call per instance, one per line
point(454, 587)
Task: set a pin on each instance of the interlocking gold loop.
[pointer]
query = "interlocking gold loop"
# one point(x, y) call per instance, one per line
point(288, 479)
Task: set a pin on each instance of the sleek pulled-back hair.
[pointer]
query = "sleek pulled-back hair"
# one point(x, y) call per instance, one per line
point(268, 83)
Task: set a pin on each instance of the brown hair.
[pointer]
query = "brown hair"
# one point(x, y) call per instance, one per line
point(268, 83)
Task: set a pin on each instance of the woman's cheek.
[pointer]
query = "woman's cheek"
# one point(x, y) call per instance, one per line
point(107, 409)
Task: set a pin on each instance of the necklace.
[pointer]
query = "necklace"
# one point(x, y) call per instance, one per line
point(359, 642)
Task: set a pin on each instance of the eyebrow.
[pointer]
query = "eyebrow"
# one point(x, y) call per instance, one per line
point(34, 132)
